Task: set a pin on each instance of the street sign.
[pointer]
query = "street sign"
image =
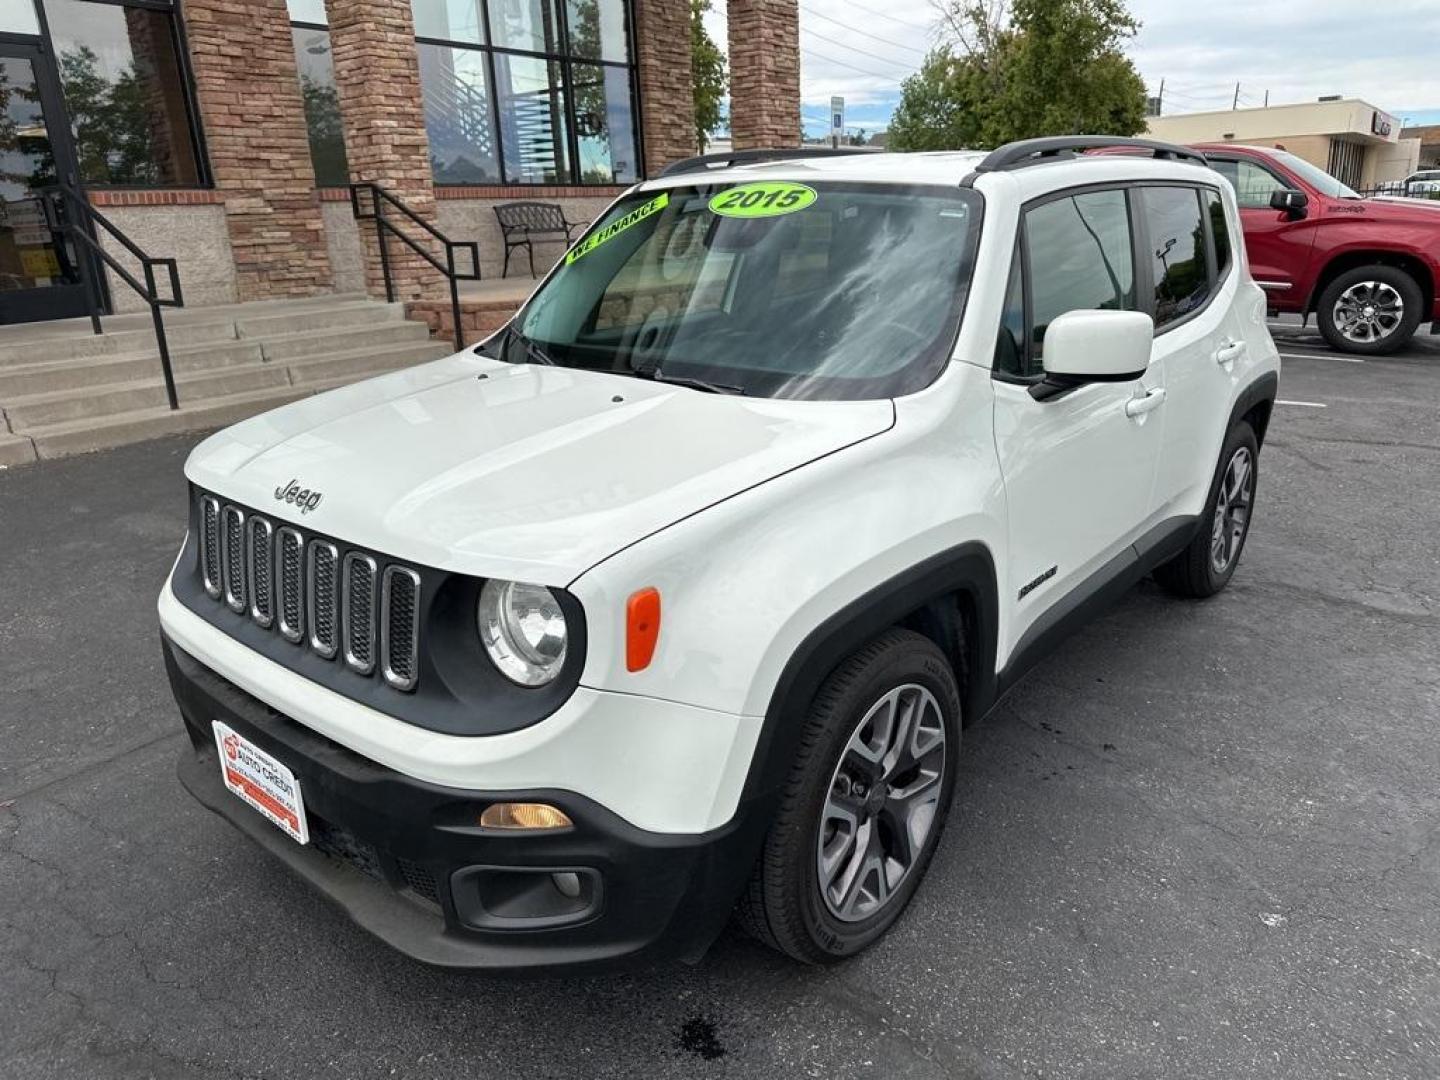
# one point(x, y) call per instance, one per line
point(837, 120)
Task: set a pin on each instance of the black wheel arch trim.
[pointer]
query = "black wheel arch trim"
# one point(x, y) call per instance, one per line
point(967, 570)
point(1260, 391)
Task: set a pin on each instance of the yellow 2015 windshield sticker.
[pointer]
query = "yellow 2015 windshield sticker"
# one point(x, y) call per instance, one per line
point(763, 198)
point(615, 228)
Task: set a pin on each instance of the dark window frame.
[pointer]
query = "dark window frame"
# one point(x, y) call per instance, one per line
point(204, 176)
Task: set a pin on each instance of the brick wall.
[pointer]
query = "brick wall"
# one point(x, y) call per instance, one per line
point(254, 119)
point(377, 78)
point(764, 73)
point(667, 102)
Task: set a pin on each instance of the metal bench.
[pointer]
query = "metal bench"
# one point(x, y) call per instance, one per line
point(523, 222)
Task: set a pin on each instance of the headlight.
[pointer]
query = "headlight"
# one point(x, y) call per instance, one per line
point(523, 629)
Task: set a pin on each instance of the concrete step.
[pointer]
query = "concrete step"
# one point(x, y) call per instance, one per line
point(289, 347)
point(39, 410)
point(22, 380)
point(101, 433)
point(339, 316)
point(339, 368)
point(15, 450)
point(111, 343)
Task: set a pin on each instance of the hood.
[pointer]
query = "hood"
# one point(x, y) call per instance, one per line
point(1398, 208)
point(524, 472)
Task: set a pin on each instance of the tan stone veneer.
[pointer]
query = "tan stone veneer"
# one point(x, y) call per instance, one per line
point(254, 120)
point(764, 73)
point(377, 78)
point(667, 103)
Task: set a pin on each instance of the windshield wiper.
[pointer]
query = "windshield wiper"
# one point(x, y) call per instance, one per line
point(533, 352)
point(656, 375)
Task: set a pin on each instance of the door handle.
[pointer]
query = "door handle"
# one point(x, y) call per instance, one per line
point(1229, 352)
point(1139, 406)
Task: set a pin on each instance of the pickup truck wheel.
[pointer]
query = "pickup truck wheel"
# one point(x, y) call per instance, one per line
point(862, 810)
point(1208, 562)
point(1370, 310)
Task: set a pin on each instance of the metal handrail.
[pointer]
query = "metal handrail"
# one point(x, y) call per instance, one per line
point(379, 200)
point(58, 202)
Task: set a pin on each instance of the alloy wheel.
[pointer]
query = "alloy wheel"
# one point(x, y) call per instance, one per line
point(1368, 311)
point(880, 807)
point(1232, 509)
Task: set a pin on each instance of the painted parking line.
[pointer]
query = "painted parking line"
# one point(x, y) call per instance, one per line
point(1322, 356)
point(1302, 404)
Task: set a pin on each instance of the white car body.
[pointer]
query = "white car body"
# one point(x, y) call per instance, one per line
point(758, 520)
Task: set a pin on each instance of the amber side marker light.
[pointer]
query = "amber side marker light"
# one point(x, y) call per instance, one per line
point(642, 628)
point(524, 815)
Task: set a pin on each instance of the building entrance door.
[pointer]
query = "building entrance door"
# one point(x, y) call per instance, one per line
point(41, 275)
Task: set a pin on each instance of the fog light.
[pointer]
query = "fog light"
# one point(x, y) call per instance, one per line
point(524, 815)
point(567, 883)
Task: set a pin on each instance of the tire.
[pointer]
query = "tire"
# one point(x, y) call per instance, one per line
point(1387, 286)
point(784, 905)
point(1199, 571)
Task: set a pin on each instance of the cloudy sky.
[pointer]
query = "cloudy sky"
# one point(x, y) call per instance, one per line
point(864, 49)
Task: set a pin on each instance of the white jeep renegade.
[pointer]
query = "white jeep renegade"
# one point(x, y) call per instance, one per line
point(677, 592)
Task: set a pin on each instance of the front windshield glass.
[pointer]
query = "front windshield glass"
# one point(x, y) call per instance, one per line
point(771, 288)
point(1317, 177)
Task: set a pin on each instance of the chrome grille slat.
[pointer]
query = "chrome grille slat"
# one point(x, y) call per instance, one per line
point(232, 546)
point(400, 627)
point(334, 600)
point(321, 578)
point(290, 584)
point(260, 563)
point(210, 545)
point(357, 612)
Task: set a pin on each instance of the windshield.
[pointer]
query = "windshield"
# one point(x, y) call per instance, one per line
point(769, 288)
point(1316, 177)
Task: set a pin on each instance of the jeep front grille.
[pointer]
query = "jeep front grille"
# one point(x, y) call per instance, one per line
point(355, 606)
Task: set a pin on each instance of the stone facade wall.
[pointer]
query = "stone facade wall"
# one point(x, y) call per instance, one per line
point(667, 103)
point(377, 79)
point(347, 253)
point(764, 40)
point(194, 235)
point(249, 98)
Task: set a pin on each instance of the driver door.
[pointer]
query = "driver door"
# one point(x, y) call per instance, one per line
point(1079, 470)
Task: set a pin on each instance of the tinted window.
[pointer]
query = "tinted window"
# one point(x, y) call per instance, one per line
point(1010, 348)
point(1220, 231)
point(1177, 238)
point(1080, 258)
point(322, 106)
point(1252, 184)
point(124, 91)
point(604, 124)
point(597, 29)
point(532, 119)
point(458, 120)
point(449, 20)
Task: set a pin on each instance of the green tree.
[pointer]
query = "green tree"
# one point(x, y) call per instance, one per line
point(1045, 67)
point(710, 78)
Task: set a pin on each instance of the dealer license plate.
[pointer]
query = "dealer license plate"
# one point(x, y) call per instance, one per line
point(262, 782)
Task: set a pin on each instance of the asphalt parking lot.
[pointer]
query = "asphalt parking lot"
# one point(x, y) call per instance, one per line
point(1202, 840)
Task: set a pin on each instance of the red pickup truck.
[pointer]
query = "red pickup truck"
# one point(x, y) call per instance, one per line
point(1368, 269)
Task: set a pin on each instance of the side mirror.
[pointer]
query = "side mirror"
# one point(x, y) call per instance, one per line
point(1289, 201)
point(1094, 346)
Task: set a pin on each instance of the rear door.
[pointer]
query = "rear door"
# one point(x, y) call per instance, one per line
point(1079, 472)
point(1200, 343)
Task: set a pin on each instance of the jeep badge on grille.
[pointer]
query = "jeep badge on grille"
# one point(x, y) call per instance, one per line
point(304, 498)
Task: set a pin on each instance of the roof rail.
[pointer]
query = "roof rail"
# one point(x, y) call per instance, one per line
point(1017, 155)
point(754, 157)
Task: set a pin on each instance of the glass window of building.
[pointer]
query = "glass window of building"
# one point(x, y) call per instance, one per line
point(459, 119)
point(316, 68)
point(126, 93)
point(543, 94)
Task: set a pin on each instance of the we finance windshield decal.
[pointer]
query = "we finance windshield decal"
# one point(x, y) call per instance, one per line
point(615, 228)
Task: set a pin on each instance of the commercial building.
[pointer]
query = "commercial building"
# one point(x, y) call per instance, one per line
point(1429, 137)
point(1351, 139)
point(224, 133)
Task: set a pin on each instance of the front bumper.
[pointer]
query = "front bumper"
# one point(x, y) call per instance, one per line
point(403, 857)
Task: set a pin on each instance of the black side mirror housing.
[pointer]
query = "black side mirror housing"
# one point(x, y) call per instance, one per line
point(1289, 201)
